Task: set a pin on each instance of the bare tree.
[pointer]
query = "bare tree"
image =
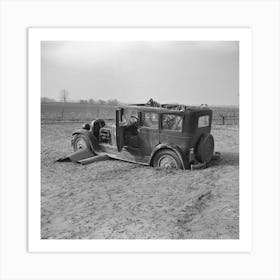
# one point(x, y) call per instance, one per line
point(64, 95)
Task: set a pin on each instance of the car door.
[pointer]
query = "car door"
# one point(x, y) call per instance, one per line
point(148, 132)
point(171, 130)
point(119, 129)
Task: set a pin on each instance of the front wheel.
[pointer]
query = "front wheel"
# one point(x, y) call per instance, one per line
point(167, 159)
point(80, 142)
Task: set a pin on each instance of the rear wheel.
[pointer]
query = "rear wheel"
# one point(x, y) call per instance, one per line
point(205, 148)
point(167, 159)
point(80, 142)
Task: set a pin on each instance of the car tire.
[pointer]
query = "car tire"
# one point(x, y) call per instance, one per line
point(205, 148)
point(80, 142)
point(167, 159)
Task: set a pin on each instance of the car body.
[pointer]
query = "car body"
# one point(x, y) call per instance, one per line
point(168, 136)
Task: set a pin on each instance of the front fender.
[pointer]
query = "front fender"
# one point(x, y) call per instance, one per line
point(174, 148)
point(94, 144)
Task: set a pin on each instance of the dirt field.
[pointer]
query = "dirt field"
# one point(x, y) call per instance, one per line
point(119, 200)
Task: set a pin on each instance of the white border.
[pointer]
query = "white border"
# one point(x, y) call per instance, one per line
point(243, 35)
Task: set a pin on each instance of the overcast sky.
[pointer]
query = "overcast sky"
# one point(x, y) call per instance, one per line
point(187, 72)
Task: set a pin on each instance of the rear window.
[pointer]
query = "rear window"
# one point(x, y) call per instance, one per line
point(203, 121)
point(172, 122)
point(150, 119)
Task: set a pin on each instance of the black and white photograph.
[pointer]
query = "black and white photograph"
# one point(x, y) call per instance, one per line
point(139, 139)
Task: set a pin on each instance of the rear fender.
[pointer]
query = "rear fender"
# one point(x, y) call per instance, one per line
point(92, 139)
point(174, 148)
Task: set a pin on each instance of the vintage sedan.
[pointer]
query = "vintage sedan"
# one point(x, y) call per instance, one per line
point(166, 136)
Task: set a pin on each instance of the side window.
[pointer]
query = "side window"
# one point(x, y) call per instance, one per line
point(129, 117)
point(132, 118)
point(172, 122)
point(123, 116)
point(150, 119)
point(203, 121)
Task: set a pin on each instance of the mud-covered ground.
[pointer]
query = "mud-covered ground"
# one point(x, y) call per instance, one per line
point(119, 200)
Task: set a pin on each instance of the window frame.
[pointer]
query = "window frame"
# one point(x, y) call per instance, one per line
point(172, 130)
point(209, 121)
point(143, 116)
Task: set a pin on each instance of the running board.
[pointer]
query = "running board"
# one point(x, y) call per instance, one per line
point(77, 156)
point(96, 158)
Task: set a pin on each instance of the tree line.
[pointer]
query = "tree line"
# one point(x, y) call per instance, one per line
point(64, 97)
point(111, 102)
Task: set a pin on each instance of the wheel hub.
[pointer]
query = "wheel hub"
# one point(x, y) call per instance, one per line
point(81, 144)
point(167, 162)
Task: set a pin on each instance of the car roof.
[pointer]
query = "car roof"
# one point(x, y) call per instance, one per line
point(165, 110)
